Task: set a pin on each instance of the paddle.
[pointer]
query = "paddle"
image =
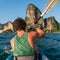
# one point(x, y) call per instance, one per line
point(50, 4)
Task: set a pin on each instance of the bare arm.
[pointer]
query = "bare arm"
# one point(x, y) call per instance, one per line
point(40, 33)
point(12, 43)
point(35, 34)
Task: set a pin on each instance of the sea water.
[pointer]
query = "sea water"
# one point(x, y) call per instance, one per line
point(50, 44)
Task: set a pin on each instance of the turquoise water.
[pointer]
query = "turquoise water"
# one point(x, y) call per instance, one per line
point(50, 44)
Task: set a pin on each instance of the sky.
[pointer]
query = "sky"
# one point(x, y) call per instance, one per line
point(11, 9)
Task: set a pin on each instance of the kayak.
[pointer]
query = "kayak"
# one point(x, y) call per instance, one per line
point(44, 57)
point(10, 57)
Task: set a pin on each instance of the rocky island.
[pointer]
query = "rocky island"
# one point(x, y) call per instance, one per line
point(48, 24)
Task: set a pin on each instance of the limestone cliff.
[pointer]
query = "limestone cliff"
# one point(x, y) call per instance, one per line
point(32, 14)
point(51, 23)
point(6, 26)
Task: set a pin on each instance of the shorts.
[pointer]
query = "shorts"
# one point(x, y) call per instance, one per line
point(24, 58)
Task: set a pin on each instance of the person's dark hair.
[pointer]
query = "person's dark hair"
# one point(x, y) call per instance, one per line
point(19, 24)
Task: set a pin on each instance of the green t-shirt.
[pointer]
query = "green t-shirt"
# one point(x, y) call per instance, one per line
point(22, 46)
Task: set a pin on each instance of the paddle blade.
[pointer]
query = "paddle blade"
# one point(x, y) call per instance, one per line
point(51, 6)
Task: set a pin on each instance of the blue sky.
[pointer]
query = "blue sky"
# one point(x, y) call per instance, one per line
point(11, 9)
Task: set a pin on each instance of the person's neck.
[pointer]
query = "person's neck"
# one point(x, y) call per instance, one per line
point(20, 33)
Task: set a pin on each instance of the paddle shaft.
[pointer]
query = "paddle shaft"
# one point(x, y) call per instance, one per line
point(44, 11)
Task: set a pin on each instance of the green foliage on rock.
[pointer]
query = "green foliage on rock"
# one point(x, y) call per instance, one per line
point(8, 31)
point(26, 19)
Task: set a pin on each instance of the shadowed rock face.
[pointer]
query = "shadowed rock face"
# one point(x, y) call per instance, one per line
point(51, 23)
point(32, 15)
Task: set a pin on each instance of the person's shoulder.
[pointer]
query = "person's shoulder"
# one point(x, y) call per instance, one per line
point(32, 33)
